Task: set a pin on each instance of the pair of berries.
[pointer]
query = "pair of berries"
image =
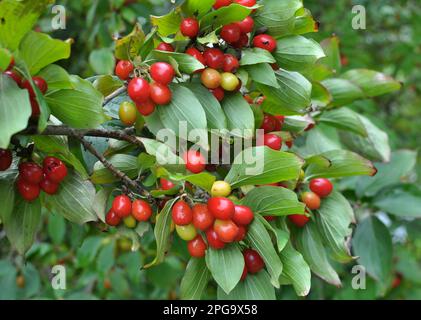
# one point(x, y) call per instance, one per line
point(222, 221)
point(272, 123)
point(253, 262)
point(34, 178)
point(320, 188)
point(130, 212)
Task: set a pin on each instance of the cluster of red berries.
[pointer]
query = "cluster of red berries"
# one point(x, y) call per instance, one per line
point(6, 159)
point(26, 84)
point(123, 208)
point(34, 178)
point(272, 124)
point(147, 95)
point(320, 188)
point(220, 219)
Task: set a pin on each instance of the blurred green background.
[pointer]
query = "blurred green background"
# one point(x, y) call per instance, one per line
point(101, 265)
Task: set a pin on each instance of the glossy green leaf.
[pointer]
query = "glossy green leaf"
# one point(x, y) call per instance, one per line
point(225, 15)
point(343, 91)
point(56, 77)
point(333, 57)
point(197, 7)
point(7, 194)
point(128, 47)
point(239, 115)
point(320, 96)
point(168, 24)
point(252, 56)
point(262, 73)
point(125, 163)
point(345, 119)
point(195, 279)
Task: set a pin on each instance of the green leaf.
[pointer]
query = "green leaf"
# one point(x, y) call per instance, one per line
point(401, 164)
point(254, 287)
point(163, 153)
point(5, 59)
point(74, 199)
point(292, 97)
point(296, 271)
point(128, 47)
point(344, 163)
point(123, 162)
point(375, 146)
point(101, 202)
point(15, 110)
point(343, 91)
point(309, 243)
point(168, 24)
point(371, 82)
point(226, 266)
point(197, 7)
point(56, 228)
point(56, 77)
point(259, 239)
point(107, 84)
point(22, 224)
point(321, 139)
point(186, 63)
point(372, 243)
point(252, 56)
point(273, 201)
point(162, 233)
point(320, 96)
point(106, 260)
point(296, 53)
point(185, 108)
point(225, 15)
point(262, 165)
point(58, 146)
point(88, 251)
point(18, 17)
point(278, 16)
point(79, 108)
point(7, 194)
point(345, 119)
point(401, 203)
point(333, 57)
point(195, 279)
point(239, 115)
point(333, 220)
point(263, 73)
point(203, 180)
point(214, 114)
point(305, 23)
point(38, 50)
point(102, 61)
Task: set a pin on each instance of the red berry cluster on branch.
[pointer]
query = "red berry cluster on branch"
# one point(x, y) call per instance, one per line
point(33, 178)
point(128, 211)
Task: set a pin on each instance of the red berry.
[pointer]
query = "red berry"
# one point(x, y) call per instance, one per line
point(270, 218)
point(55, 170)
point(197, 247)
point(242, 215)
point(139, 90)
point(28, 191)
point(5, 159)
point(274, 66)
point(231, 33)
point(272, 141)
point(41, 84)
point(253, 261)
point(213, 239)
point(231, 63)
point(34, 107)
point(246, 26)
point(214, 58)
point(30, 172)
point(160, 93)
point(221, 208)
point(244, 274)
point(162, 72)
point(244, 40)
point(269, 123)
point(242, 231)
point(122, 206)
point(226, 230)
point(166, 184)
point(281, 119)
point(14, 76)
point(189, 27)
point(202, 218)
point(195, 161)
point(197, 54)
point(163, 46)
point(146, 108)
point(112, 219)
point(311, 199)
point(123, 69)
point(182, 214)
point(246, 3)
point(265, 41)
point(141, 210)
point(218, 93)
point(299, 220)
point(48, 186)
point(289, 144)
point(321, 186)
point(221, 3)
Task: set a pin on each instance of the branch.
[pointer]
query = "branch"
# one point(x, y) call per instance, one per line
point(113, 95)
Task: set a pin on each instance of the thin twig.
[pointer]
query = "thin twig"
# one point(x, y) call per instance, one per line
point(114, 94)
